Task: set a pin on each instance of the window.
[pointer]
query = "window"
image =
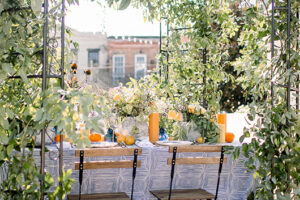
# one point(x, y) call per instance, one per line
point(118, 69)
point(93, 57)
point(140, 66)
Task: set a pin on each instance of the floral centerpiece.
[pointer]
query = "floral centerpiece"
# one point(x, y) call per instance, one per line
point(202, 122)
point(189, 122)
point(131, 106)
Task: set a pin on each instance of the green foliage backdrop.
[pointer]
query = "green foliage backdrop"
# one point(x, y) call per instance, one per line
point(236, 37)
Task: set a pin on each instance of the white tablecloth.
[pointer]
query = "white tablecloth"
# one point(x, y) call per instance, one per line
point(154, 174)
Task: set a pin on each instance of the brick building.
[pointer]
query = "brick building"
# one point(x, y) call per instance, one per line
point(131, 57)
point(113, 60)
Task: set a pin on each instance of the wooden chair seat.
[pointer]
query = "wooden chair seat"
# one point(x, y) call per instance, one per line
point(101, 196)
point(183, 194)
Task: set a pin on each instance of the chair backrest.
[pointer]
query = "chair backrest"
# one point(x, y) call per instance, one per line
point(118, 151)
point(108, 152)
point(196, 160)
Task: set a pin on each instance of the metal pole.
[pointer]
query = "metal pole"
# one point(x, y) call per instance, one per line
point(44, 86)
point(61, 162)
point(160, 39)
point(204, 77)
point(297, 46)
point(288, 96)
point(167, 70)
point(272, 50)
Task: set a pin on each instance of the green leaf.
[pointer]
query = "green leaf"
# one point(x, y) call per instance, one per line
point(242, 138)
point(10, 113)
point(19, 178)
point(3, 75)
point(4, 123)
point(3, 137)
point(23, 75)
point(8, 68)
point(236, 153)
point(124, 4)
point(9, 149)
point(39, 115)
point(48, 180)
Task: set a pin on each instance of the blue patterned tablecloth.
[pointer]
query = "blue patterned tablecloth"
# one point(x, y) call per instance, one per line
point(154, 174)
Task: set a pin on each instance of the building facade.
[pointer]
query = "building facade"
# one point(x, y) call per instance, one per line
point(131, 57)
point(113, 60)
point(90, 54)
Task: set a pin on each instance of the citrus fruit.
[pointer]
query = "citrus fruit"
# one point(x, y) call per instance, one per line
point(200, 140)
point(129, 140)
point(121, 138)
point(57, 138)
point(95, 137)
point(229, 137)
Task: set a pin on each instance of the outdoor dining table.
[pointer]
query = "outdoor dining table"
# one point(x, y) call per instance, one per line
point(154, 174)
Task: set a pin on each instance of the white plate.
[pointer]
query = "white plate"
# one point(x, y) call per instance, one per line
point(103, 144)
point(173, 143)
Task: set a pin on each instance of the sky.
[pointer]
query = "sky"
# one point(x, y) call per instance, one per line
point(91, 17)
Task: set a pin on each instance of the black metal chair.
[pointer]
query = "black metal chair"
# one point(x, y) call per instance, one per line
point(106, 164)
point(191, 194)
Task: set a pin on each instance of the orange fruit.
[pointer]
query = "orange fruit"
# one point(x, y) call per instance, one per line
point(95, 137)
point(129, 140)
point(200, 140)
point(229, 137)
point(57, 138)
point(121, 138)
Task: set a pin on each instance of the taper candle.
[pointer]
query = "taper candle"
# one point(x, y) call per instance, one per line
point(154, 127)
point(222, 119)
